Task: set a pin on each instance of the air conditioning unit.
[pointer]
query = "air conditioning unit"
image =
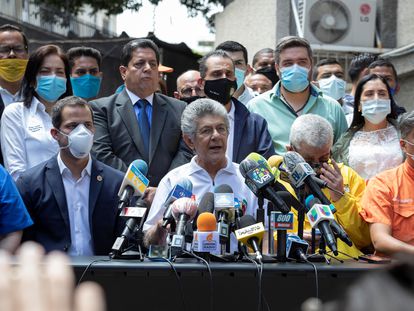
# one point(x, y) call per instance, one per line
point(335, 22)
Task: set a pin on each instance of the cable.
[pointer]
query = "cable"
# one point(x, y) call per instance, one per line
point(210, 274)
point(90, 265)
point(259, 269)
point(316, 277)
point(178, 280)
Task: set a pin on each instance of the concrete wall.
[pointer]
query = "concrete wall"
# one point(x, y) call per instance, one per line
point(252, 23)
point(405, 24)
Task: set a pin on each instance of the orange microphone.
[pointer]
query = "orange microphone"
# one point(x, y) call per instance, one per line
point(206, 238)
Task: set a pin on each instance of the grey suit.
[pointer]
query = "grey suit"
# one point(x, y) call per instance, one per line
point(118, 140)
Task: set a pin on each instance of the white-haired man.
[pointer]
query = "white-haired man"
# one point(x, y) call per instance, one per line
point(312, 137)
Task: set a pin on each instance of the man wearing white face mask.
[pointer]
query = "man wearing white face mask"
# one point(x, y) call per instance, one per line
point(294, 95)
point(72, 197)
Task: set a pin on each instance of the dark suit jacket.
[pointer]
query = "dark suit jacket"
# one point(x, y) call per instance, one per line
point(250, 134)
point(43, 193)
point(118, 139)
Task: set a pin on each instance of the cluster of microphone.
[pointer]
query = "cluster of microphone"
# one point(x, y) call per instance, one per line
point(207, 227)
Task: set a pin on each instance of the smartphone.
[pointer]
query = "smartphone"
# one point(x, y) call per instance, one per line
point(374, 259)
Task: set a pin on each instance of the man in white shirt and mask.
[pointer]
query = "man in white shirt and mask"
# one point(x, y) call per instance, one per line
point(72, 198)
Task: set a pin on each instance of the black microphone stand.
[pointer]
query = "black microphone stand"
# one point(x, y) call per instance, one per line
point(260, 215)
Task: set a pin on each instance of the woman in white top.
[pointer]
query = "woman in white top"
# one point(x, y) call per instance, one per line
point(25, 126)
point(371, 144)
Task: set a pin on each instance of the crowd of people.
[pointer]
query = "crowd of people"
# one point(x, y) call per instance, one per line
point(65, 151)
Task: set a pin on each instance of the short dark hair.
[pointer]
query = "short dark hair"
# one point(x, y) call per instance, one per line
point(358, 64)
point(70, 101)
point(215, 53)
point(36, 59)
point(79, 51)
point(10, 27)
point(382, 62)
point(233, 46)
point(291, 42)
point(259, 53)
point(131, 46)
point(358, 120)
point(324, 62)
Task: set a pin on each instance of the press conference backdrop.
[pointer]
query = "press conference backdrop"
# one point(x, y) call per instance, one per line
point(131, 285)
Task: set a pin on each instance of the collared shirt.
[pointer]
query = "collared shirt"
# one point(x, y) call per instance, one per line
point(77, 201)
point(280, 116)
point(134, 98)
point(25, 137)
point(389, 200)
point(246, 96)
point(230, 139)
point(202, 183)
point(7, 97)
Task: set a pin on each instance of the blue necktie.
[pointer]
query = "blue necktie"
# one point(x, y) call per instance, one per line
point(143, 123)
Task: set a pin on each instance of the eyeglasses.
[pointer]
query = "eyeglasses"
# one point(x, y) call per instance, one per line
point(188, 91)
point(18, 50)
point(209, 131)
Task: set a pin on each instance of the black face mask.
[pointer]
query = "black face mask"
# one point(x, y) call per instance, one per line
point(270, 73)
point(190, 99)
point(220, 90)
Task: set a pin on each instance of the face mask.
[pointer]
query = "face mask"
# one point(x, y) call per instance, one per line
point(220, 90)
point(190, 99)
point(392, 91)
point(80, 141)
point(270, 73)
point(411, 144)
point(12, 69)
point(333, 87)
point(376, 110)
point(295, 78)
point(51, 87)
point(86, 86)
point(239, 77)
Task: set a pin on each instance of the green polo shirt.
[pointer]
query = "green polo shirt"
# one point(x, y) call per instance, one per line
point(280, 116)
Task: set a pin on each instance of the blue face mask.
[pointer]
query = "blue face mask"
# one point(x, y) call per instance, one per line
point(295, 78)
point(239, 76)
point(86, 86)
point(51, 87)
point(392, 91)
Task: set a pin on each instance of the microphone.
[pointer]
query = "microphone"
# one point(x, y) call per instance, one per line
point(281, 223)
point(336, 228)
point(224, 206)
point(206, 204)
point(302, 173)
point(259, 179)
point(134, 183)
point(206, 238)
point(321, 216)
point(251, 234)
point(133, 214)
point(183, 210)
point(238, 212)
point(183, 189)
point(296, 248)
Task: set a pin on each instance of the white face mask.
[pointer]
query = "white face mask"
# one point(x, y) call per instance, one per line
point(376, 110)
point(333, 87)
point(80, 141)
point(409, 154)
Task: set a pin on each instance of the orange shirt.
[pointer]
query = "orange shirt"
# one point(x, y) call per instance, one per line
point(389, 199)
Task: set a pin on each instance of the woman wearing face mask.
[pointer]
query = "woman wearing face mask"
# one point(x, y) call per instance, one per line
point(25, 126)
point(371, 144)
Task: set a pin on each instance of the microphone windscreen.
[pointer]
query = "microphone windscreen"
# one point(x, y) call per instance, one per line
point(275, 161)
point(291, 159)
point(206, 203)
point(186, 184)
point(184, 206)
point(246, 165)
point(224, 188)
point(141, 165)
point(246, 220)
point(206, 222)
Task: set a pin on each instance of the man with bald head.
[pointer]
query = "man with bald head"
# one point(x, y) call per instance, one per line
point(188, 87)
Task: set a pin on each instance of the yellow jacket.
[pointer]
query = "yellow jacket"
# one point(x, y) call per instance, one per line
point(347, 212)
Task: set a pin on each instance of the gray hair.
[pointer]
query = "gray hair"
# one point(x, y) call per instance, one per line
point(406, 124)
point(216, 53)
point(197, 110)
point(311, 129)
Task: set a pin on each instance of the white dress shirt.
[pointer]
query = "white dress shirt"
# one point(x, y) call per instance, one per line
point(77, 201)
point(25, 137)
point(8, 97)
point(202, 183)
point(230, 139)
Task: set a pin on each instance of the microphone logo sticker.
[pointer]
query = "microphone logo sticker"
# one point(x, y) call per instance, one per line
point(324, 210)
point(260, 175)
point(209, 237)
point(313, 215)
